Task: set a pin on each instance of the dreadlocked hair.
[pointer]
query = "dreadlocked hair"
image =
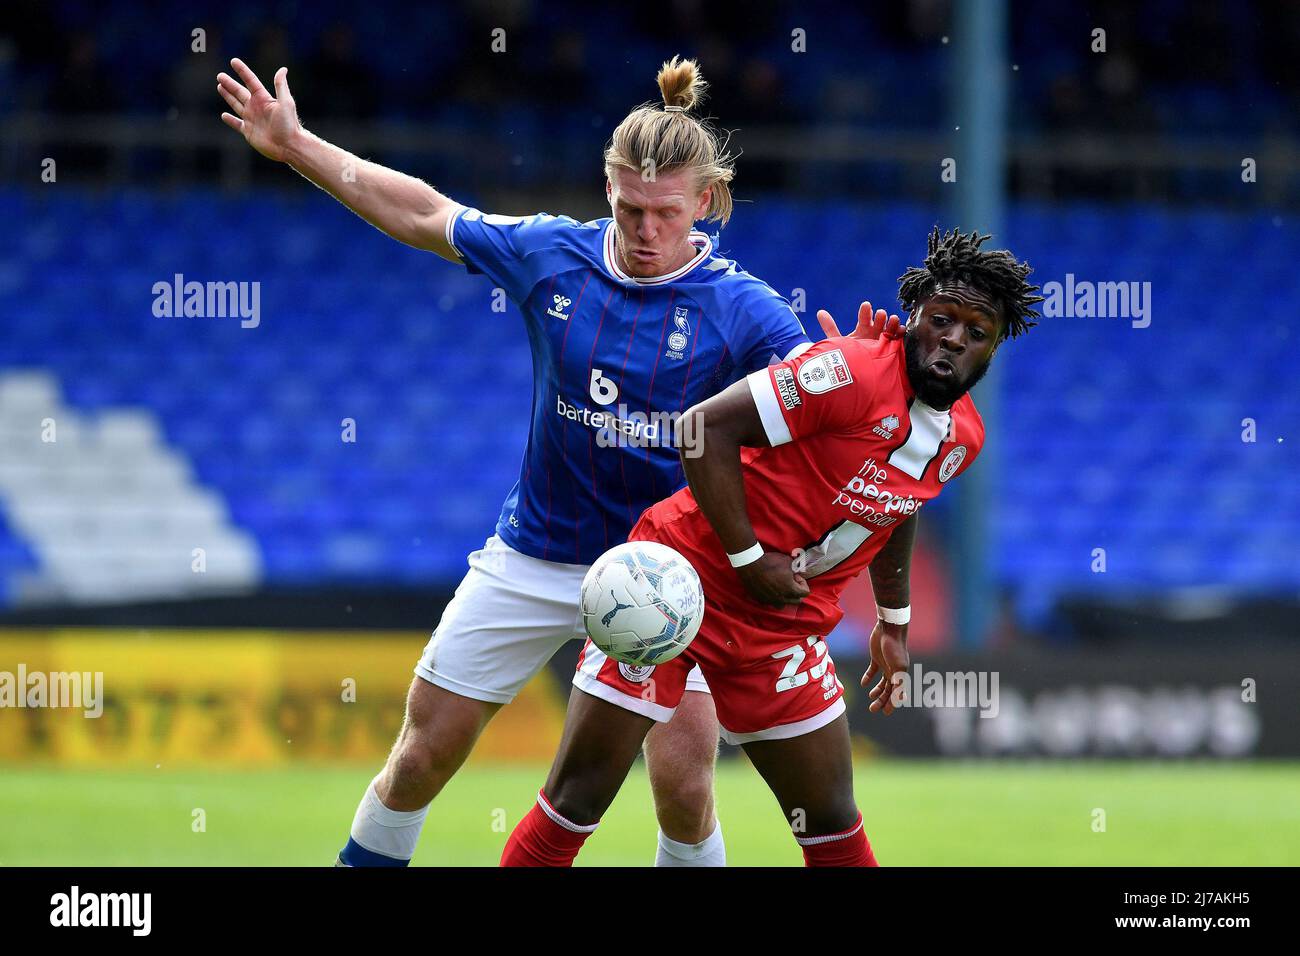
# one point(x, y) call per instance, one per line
point(956, 257)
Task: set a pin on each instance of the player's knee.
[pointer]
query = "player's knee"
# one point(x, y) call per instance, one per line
point(416, 773)
point(408, 778)
point(834, 816)
point(578, 801)
point(426, 756)
point(410, 763)
point(682, 783)
point(440, 727)
point(684, 797)
point(689, 818)
point(576, 807)
point(680, 757)
point(433, 751)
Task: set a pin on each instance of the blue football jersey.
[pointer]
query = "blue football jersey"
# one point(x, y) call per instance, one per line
point(616, 359)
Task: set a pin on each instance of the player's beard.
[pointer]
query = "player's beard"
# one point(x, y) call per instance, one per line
point(933, 393)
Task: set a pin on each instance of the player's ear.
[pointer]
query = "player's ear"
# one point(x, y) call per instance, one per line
point(703, 204)
point(609, 191)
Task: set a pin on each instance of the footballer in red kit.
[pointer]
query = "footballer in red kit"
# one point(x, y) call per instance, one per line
point(808, 473)
point(853, 453)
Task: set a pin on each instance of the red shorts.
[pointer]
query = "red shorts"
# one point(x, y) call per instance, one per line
point(765, 685)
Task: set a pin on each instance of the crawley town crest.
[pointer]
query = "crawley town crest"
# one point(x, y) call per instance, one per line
point(951, 462)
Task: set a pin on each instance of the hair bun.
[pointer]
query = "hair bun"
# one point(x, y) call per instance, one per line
point(681, 84)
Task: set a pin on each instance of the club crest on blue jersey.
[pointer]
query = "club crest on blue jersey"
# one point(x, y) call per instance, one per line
point(678, 340)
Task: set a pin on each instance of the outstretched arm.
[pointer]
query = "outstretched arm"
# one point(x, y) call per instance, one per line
point(406, 208)
point(891, 573)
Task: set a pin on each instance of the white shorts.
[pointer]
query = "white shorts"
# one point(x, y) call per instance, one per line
point(509, 616)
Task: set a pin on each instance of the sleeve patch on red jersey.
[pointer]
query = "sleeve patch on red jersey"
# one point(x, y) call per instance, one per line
point(785, 387)
point(825, 372)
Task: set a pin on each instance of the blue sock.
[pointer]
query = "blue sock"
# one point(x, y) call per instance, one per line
point(354, 854)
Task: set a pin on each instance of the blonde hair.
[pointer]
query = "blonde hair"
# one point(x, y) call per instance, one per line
point(669, 139)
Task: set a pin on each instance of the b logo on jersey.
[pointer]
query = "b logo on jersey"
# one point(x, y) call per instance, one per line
point(603, 390)
point(677, 340)
point(636, 673)
point(825, 372)
point(952, 462)
point(557, 310)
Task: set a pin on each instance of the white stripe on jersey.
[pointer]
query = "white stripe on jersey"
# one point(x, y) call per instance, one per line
point(451, 229)
point(929, 429)
point(797, 351)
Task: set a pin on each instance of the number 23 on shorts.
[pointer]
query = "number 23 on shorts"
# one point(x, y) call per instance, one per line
point(792, 677)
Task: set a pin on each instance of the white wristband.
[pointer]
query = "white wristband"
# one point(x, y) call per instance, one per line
point(894, 615)
point(748, 556)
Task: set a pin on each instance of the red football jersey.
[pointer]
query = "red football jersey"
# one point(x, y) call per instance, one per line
point(854, 453)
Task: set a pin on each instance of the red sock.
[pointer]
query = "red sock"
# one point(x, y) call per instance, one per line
point(544, 838)
point(846, 848)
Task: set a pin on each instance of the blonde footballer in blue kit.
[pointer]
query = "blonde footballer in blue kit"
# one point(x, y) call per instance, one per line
point(632, 320)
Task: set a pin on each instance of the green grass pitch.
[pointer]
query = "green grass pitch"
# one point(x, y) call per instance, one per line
point(918, 814)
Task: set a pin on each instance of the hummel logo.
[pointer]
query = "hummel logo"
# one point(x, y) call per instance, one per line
point(886, 427)
point(561, 303)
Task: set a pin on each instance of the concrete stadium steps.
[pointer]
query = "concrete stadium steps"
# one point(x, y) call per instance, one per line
point(111, 513)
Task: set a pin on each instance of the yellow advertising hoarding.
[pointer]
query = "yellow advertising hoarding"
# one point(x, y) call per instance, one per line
point(185, 698)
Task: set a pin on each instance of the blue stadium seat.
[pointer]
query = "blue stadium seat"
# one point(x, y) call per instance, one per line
point(1128, 439)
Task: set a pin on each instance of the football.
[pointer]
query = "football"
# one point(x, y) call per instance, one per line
point(642, 603)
